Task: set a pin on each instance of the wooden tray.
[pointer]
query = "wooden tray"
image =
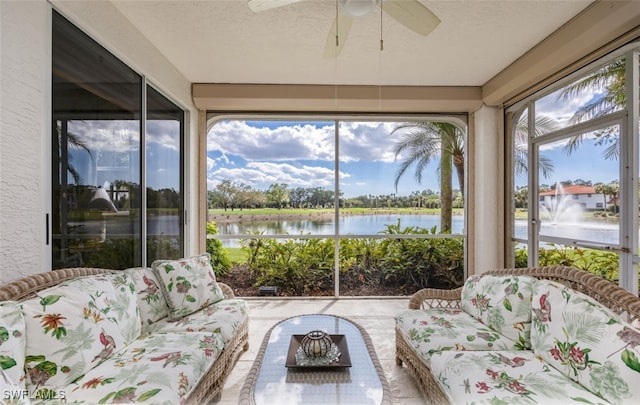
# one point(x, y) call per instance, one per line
point(339, 340)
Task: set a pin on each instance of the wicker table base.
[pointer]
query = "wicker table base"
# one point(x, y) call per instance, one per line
point(271, 382)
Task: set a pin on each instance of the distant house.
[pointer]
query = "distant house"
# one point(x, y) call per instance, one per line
point(585, 196)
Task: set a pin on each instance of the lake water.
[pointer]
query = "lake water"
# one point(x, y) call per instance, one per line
point(353, 224)
point(373, 224)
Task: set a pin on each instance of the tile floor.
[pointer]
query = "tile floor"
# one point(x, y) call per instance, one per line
point(375, 315)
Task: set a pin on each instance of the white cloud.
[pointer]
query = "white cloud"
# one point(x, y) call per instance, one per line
point(107, 136)
point(562, 110)
point(164, 132)
point(368, 141)
point(211, 164)
point(262, 174)
point(292, 142)
point(358, 141)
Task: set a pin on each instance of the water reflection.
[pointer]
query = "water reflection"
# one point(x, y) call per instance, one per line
point(350, 224)
point(168, 226)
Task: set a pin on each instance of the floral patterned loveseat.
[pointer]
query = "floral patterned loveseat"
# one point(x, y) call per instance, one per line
point(166, 334)
point(547, 335)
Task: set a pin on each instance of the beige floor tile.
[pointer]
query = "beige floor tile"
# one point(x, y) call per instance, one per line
point(374, 315)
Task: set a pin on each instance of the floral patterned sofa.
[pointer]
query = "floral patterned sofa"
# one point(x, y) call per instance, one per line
point(547, 335)
point(166, 334)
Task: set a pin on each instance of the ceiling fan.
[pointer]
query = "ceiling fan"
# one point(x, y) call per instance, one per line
point(410, 13)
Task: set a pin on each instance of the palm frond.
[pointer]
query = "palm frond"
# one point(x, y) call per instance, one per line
point(573, 144)
point(599, 80)
point(74, 141)
point(546, 166)
point(543, 125)
point(612, 152)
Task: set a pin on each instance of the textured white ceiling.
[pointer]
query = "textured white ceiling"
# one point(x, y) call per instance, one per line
point(222, 41)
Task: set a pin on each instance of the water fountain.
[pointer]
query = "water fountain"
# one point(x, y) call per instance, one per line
point(560, 207)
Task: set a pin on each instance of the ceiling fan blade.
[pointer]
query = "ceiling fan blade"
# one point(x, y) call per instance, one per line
point(261, 5)
point(412, 14)
point(342, 23)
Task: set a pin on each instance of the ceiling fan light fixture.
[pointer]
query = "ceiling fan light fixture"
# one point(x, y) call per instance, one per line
point(358, 8)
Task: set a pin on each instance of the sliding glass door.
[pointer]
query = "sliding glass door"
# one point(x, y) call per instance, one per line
point(116, 159)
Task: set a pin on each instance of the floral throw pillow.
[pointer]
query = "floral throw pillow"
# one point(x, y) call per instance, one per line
point(151, 302)
point(188, 284)
point(584, 340)
point(12, 346)
point(501, 302)
point(77, 325)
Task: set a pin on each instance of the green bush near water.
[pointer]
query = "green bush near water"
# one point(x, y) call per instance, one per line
point(604, 264)
point(306, 265)
point(220, 260)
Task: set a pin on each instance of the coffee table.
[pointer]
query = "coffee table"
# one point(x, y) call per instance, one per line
point(271, 382)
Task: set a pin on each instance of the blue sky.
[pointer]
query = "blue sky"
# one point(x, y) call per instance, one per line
point(587, 162)
point(116, 143)
point(301, 154)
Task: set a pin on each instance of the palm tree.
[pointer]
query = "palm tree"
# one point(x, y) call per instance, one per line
point(603, 189)
point(72, 141)
point(608, 81)
point(542, 126)
point(425, 141)
point(62, 167)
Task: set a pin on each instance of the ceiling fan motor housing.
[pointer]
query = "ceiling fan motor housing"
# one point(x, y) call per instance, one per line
point(358, 8)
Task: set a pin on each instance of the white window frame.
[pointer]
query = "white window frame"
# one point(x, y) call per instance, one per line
point(627, 120)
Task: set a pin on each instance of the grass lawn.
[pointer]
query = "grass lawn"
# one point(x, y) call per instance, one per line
point(344, 211)
point(236, 255)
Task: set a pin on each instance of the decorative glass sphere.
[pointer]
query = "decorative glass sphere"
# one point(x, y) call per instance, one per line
point(316, 344)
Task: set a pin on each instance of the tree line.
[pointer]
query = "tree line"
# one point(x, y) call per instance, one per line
point(229, 195)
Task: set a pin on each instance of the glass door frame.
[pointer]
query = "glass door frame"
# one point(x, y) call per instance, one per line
point(629, 167)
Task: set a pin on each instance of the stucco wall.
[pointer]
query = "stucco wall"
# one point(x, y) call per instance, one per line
point(24, 110)
point(488, 197)
point(25, 35)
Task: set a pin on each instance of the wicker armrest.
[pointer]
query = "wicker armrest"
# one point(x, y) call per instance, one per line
point(434, 298)
point(226, 290)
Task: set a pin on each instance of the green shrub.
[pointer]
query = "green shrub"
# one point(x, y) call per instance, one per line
point(112, 254)
point(421, 263)
point(219, 256)
point(296, 266)
point(604, 264)
point(306, 265)
point(521, 258)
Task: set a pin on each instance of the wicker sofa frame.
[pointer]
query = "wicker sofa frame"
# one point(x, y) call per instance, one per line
point(208, 389)
point(618, 300)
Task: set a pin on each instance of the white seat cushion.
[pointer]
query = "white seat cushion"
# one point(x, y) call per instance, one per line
point(505, 377)
point(12, 347)
point(224, 317)
point(162, 368)
point(435, 330)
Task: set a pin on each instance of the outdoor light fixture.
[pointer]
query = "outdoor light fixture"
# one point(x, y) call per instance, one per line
point(358, 8)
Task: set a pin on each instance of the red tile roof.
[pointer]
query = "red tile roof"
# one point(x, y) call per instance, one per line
point(571, 190)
